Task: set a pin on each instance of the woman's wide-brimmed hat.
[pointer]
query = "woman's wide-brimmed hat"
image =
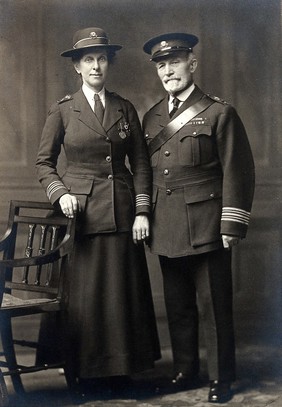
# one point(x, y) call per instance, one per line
point(92, 37)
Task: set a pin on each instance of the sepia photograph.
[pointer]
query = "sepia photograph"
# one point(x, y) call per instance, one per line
point(140, 203)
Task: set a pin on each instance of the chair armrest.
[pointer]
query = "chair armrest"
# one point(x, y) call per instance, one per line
point(5, 239)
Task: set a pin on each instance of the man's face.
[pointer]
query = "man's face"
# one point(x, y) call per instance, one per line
point(93, 67)
point(176, 71)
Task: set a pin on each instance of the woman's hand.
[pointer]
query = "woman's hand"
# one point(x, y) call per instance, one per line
point(140, 229)
point(69, 205)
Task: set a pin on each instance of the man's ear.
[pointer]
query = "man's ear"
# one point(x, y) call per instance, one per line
point(193, 65)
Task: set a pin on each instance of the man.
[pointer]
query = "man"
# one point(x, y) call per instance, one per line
point(203, 185)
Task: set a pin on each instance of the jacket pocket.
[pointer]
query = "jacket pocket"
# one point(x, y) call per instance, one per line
point(81, 187)
point(78, 185)
point(204, 207)
point(195, 144)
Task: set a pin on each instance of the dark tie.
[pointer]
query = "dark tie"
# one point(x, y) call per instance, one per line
point(98, 108)
point(175, 106)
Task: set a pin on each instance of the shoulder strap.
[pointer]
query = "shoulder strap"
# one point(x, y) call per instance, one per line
point(176, 124)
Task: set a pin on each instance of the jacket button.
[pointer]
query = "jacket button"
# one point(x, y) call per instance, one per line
point(166, 172)
point(167, 153)
point(108, 139)
point(146, 135)
point(212, 195)
point(168, 192)
point(110, 177)
point(108, 159)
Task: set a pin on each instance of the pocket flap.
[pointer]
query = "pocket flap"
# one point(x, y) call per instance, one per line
point(78, 185)
point(203, 192)
point(195, 131)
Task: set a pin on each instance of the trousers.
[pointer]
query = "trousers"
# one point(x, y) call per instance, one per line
point(198, 290)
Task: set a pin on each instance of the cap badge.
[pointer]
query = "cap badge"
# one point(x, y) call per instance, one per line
point(93, 34)
point(164, 44)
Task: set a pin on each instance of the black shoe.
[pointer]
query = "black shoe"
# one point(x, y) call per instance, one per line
point(182, 382)
point(220, 391)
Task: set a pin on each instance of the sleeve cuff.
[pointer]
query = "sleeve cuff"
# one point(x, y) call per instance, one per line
point(234, 221)
point(142, 203)
point(55, 190)
point(235, 215)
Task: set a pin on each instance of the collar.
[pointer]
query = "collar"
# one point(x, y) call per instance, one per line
point(89, 94)
point(182, 96)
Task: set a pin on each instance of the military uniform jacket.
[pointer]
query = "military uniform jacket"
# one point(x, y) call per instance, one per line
point(109, 193)
point(203, 178)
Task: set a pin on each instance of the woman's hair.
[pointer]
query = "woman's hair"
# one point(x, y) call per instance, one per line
point(77, 57)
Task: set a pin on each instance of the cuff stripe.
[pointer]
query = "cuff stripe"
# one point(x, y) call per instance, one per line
point(53, 187)
point(142, 200)
point(235, 215)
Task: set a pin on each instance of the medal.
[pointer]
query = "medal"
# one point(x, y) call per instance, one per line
point(122, 134)
point(124, 130)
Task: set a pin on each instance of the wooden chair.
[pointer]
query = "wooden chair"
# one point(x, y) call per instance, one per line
point(36, 248)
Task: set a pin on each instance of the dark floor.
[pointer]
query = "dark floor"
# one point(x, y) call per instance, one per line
point(259, 384)
point(259, 371)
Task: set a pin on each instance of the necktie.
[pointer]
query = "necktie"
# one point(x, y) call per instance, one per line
point(98, 108)
point(175, 106)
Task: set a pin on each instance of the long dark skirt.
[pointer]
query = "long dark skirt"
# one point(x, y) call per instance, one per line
point(111, 320)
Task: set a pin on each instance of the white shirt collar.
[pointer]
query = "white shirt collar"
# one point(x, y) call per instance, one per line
point(89, 94)
point(182, 96)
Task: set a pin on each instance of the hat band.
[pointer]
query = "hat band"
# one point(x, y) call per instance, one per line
point(91, 41)
point(170, 49)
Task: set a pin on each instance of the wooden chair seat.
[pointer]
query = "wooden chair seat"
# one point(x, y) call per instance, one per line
point(10, 301)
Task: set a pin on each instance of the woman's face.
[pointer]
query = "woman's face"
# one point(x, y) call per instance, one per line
point(93, 67)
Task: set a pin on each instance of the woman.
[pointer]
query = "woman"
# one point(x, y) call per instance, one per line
point(111, 321)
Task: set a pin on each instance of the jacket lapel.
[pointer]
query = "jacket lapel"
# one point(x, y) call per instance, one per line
point(162, 108)
point(113, 111)
point(161, 112)
point(86, 114)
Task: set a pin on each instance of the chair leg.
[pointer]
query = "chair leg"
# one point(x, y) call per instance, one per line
point(9, 352)
point(4, 399)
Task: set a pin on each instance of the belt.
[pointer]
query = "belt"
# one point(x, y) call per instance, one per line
point(180, 176)
point(96, 170)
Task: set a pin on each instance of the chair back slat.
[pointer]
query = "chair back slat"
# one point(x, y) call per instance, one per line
point(28, 250)
point(41, 251)
point(53, 243)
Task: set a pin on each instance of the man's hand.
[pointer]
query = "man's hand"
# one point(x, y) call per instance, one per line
point(229, 241)
point(69, 205)
point(140, 229)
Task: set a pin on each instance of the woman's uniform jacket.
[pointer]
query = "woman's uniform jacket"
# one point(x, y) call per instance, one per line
point(96, 173)
point(203, 178)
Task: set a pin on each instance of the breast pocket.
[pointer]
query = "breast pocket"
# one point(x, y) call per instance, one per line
point(195, 145)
